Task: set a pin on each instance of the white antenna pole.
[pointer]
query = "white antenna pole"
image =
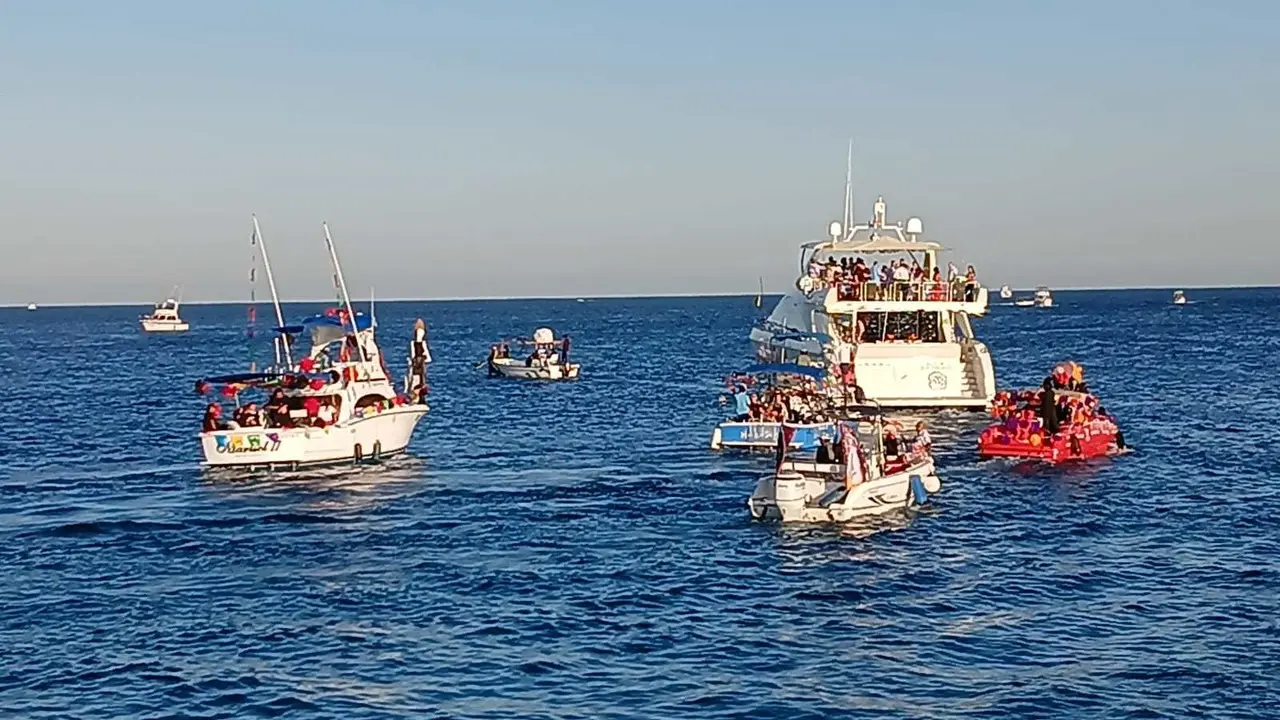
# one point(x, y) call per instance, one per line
point(373, 316)
point(848, 192)
point(271, 283)
point(342, 285)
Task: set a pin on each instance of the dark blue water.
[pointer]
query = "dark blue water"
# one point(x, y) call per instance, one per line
point(576, 551)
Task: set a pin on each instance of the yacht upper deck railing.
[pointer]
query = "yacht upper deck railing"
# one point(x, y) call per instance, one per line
point(956, 291)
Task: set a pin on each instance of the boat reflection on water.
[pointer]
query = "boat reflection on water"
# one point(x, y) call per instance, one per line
point(336, 487)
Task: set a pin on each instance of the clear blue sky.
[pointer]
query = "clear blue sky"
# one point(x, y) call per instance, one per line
point(577, 147)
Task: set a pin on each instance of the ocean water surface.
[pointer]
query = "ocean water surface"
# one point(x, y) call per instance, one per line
point(575, 550)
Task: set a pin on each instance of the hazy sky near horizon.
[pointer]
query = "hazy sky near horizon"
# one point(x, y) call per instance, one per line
point(578, 147)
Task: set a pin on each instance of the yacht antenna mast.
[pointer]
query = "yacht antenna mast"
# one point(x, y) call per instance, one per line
point(342, 286)
point(848, 192)
point(271, 283)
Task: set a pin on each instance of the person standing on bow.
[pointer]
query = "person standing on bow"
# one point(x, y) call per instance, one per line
point(419, 358)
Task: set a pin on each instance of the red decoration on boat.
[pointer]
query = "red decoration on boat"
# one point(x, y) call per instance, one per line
point(306, 364)
point(317, 384)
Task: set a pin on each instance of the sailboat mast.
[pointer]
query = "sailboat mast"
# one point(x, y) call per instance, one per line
point(271, 283)
point(342, 286)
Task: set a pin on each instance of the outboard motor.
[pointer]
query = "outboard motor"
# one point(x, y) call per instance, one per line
point(789, 494)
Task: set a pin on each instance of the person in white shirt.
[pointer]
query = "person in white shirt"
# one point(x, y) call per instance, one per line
point(923, 442)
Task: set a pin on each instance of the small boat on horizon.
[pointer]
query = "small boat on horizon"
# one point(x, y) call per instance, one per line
point(1042, 299)
point(164, 317)
point(1006, 292)
point(1179, 298)
point(548, 358)
point(32, 307)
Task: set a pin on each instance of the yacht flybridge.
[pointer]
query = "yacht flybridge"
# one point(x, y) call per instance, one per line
point(874, 296)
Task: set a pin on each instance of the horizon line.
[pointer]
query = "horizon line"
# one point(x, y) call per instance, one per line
point(625, 296)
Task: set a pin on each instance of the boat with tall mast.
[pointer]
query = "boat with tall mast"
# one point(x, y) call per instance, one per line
point(337, 403)
point(873, 302)
point(164, 317)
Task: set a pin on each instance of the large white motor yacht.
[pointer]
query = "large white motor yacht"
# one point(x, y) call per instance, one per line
point(910, 342)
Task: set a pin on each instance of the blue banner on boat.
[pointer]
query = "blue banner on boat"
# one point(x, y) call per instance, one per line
point(764, 436)
point(787, 369)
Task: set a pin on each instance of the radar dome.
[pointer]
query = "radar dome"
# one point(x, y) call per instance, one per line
point(914, 226)
point(834, 230)
point(543, 335)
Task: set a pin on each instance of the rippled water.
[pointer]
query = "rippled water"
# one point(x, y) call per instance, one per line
point(576, 551)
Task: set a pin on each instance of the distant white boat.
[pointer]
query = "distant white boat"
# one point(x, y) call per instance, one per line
point(1042, 299)
point(32, 307)
point(164, 318)
point(1006, 292)
point(1179, 298)
point(549, 359)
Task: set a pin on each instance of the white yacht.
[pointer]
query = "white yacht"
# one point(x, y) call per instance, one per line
point(1043, 298)
point(164, 318)
point(337, 404)
point(32, 307)
point(911, 343)
point(1006, 292)
point(1179, 297)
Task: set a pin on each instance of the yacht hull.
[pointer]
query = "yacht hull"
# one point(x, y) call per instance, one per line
point(386, 433)
point(164, 326)
point(955, 380)
point(812, 493)
point(520, 371)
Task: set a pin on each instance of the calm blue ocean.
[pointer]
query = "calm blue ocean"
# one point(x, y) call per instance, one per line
point(576, 551)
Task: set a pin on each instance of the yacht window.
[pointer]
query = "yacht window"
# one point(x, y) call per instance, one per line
point(918, 325)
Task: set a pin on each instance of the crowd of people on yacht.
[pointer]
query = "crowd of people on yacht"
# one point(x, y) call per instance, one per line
point(894, 280)
point(798, 403)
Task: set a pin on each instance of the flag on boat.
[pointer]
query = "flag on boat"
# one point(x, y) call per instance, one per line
point(784, 441)
point(849, 451)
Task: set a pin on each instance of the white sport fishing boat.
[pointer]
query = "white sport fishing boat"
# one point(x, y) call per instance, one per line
point(1006, 292)
point(337, 404)
point(910, 342)
point(548, 358)
point(164, 318)
point(1179, 297)
point(861, 481)
point(32, 307)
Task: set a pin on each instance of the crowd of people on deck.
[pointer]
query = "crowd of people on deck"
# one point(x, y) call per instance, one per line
point(1062, 400)
point(898, 451)
point(277, 412)
point(796, 403)
point(894, 280)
